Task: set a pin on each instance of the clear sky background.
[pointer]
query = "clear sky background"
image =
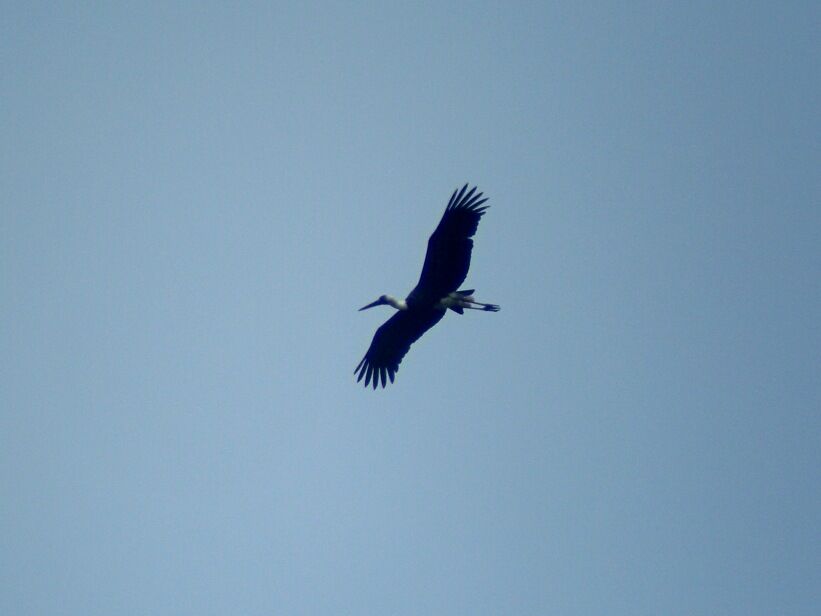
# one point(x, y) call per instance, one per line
point(196, 198)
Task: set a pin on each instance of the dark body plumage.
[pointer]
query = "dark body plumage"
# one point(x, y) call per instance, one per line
point(446, 265)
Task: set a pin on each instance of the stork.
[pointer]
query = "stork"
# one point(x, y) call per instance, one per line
point(445, 268)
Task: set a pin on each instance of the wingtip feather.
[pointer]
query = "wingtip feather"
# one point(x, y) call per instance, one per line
point(470, 203)
point(477, 204)
point(459, 196)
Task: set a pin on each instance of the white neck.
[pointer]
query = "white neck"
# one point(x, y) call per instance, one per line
point(396, 303)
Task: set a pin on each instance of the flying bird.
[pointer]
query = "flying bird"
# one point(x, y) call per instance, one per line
point(445, 268)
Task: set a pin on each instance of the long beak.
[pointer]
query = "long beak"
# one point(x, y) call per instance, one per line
point(376, 303)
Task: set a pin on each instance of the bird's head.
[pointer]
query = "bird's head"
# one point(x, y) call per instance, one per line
point(383, 299)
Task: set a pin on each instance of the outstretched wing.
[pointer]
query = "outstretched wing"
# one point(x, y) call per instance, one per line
point(448, 257)
point(390, 343)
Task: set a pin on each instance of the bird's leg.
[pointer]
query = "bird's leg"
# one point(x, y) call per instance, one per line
point(481, 306)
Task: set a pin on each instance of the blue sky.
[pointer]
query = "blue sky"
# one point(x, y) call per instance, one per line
point(194, 201)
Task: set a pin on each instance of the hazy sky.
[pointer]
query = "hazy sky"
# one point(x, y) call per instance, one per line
point(194, 201)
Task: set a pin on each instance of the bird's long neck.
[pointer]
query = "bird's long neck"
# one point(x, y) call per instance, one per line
point(396, 303)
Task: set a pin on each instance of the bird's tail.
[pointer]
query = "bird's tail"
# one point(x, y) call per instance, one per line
point(464, 299)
